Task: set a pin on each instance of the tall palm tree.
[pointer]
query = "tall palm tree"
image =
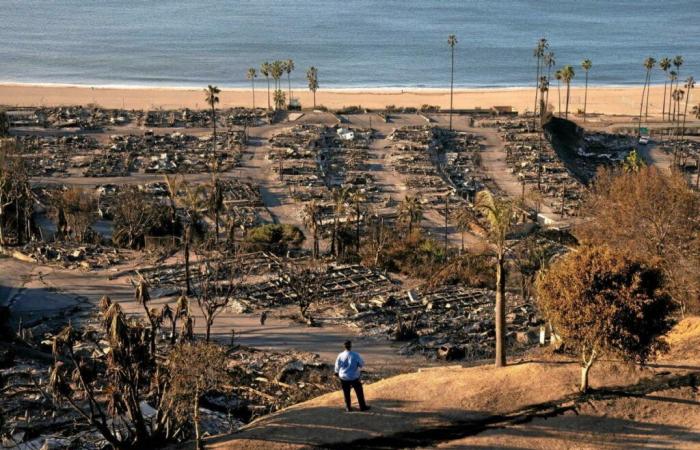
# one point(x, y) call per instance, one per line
point(586, 65)
point(252, 74)
point(212, 99)
point(649, 63)
point(672, 76)
point(557, 75)
point(499, 213)
point(538, 53)
point(544, 88)
point(277, 71)
point(452, 41)
point(312, 77)
point(677, 63)
point(311, 216)
point(265, 71)
point(550, 63)
point(664, 65)
point(410, 211)
point(689, 86)
point(677, 96)
point(289, 67)
point(567, 74)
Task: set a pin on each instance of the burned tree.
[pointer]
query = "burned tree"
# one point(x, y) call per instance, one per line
point(136, 217)
point(305, 284)
point(216, 283)
point(195, 368)
point(16, 197)
point(75, 210)
point(128, 376)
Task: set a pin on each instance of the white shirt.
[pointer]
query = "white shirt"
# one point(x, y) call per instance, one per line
point(348, 365)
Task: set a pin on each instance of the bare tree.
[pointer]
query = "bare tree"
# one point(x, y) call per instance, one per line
point(216, 283)
point(306, 286)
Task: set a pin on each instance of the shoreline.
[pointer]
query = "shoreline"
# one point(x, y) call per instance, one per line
point(615, 100)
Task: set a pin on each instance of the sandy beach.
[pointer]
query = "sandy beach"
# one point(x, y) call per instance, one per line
point(604, 100)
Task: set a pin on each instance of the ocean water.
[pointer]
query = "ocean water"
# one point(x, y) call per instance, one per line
point(353, 43)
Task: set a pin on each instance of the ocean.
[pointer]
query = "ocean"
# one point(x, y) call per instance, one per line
point(353, 44)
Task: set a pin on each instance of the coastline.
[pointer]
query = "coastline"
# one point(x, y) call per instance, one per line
point(617, 100)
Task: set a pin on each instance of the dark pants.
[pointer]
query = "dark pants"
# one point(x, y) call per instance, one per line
point(357, 385)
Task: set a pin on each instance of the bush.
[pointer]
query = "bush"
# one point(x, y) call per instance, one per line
point(277, 238)
point(602, 302)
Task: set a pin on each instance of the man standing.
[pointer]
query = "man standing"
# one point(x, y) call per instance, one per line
point(348, 367)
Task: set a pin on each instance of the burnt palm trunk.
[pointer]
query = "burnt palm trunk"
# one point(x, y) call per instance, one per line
point(500, 312)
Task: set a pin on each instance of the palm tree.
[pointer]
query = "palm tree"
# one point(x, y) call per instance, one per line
point(265, 71)
point(557, 75)
point(550, 63)
point(452, 41)
point(689, 85)
point(567, 74)
point(289, 67)
point(311, 216)
point(278, 98)
point(312, 77)
point(499, 214)
point(677, 63)
point(252, 74)
point(410, 211)
point(212, 98)
point(544, 88)
point(672, 76)
point(586, 65)
point(664, 65)
point(649, 63)
point(538, 53)
point(340, 198)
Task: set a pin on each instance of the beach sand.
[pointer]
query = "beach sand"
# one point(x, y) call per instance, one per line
point(603, 100)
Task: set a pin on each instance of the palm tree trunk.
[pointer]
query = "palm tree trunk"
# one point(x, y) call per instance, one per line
point(537, 87)
point(559, 95)
point(452, 79)
point(253, 80)
point(289, 88)
point(641, 105)
point(188, 232)
point(314, 99)
point(213, 122)
point(568, 92)
point(663, 104)
point(646, 111)
point(585, 98)
point(685, 112)
point(500, 313)
point(268, 93)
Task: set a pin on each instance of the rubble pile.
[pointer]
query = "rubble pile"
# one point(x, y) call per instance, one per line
point(686, 152)
point(452, 322)
point(54, 156)
point(338, 283)
point(71, 255)
point(86, 118)
point(533, 160)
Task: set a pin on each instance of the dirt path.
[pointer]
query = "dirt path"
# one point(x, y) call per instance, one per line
point(488, 407)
